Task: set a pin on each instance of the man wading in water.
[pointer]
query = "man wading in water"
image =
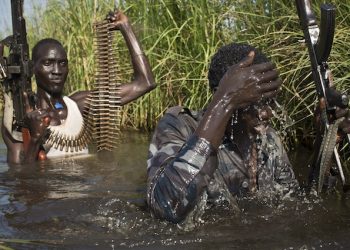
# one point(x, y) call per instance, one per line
point(63, 114)
point(225, 151)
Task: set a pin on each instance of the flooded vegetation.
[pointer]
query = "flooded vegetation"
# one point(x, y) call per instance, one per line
point(180, 37)
point(98, 202)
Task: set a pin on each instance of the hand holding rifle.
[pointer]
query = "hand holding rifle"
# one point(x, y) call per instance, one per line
point(333, 105)
point(23, 125)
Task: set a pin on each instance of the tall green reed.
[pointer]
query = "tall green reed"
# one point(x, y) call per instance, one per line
point(180, 36)
point(274, 27)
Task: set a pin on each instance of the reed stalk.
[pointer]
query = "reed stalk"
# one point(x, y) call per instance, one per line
point(179, 38)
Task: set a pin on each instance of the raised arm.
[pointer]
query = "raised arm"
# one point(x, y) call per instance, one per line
point(178, 171)
point(182, 156)
point(143, 80)
point(243, 84)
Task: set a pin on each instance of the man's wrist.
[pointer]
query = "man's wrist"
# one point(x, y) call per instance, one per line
point(124, 25)
point(223, 102)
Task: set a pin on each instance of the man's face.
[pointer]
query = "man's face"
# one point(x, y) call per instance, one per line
point(51, 69)
point(256, 117)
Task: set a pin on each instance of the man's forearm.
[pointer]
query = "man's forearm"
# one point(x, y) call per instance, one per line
point(31, 154)
point(175, 188)
point(15, 150)
point(214, 122)
point(143, 80)
point(131, 39)
point(139, 60)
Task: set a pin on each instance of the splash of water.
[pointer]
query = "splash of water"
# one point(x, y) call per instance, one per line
point(282, 120)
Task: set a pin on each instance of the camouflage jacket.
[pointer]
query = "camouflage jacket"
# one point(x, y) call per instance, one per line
point(179, 178)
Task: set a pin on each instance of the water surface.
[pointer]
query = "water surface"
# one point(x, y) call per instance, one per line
point(97, 202)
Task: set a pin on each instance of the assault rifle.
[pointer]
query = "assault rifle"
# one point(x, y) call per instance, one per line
point(16, 73)
point(319, 42)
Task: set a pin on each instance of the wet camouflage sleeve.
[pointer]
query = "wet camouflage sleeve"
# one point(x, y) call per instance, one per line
point(180, 167)
point(178, 170)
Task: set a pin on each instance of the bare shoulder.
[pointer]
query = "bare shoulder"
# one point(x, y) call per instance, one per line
point(79, 97)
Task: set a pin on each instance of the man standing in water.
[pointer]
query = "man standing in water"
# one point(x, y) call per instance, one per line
point(227, 150)
point(62, 114)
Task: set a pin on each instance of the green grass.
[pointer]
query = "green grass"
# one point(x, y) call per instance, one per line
point(180, 37)
point(277, 32)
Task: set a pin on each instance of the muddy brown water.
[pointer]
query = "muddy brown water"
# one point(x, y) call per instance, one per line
point(97, 202)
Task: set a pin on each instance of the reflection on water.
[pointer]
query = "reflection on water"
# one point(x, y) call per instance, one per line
point(97, 202)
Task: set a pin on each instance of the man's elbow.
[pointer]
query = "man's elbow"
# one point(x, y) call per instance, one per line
point(149, 84)
point(146, 82)
point(143, 88)
point(152, 85)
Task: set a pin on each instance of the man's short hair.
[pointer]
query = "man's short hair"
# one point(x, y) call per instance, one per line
point(41, 44)
point(229, 55)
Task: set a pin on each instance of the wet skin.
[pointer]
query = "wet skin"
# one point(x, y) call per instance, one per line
point(51, 70)
point(243, 89)
point(242, 85)
point(255, 118)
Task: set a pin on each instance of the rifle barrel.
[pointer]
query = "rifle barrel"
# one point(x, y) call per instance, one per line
point(306, 16)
